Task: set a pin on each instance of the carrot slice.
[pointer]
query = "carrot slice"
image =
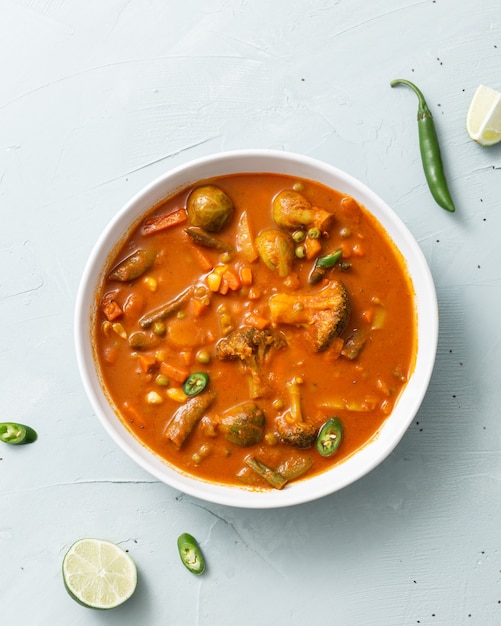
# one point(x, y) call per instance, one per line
point(232, 279)
point(312, 247)
point(112, 310)
point(158, 223)
point(203, 261)
point(246, 276)
point(257, 321)
point(171, 371)
point(224, 286)
point(199, 307)
point(146, 362)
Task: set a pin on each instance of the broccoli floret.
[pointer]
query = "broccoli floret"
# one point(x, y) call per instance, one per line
point(323, 314)
point(253, 347)
point(292, 428)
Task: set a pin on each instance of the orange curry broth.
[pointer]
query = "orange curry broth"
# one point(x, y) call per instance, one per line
point(362, 392)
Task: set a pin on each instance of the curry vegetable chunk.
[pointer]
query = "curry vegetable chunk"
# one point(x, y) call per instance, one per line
point(248, 321)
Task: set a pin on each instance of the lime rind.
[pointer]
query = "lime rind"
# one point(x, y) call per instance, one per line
point(98, 574)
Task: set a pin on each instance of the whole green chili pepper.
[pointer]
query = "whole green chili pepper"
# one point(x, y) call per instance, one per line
point(430, 151)
point(191, 554)
point(16, 434)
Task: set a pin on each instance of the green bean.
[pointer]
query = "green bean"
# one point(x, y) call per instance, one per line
point(322, 264)
point(202, 238)
point(134, 265)
point(167, 309)
point(430, 151)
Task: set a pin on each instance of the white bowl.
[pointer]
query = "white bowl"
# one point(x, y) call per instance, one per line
point(409, 402)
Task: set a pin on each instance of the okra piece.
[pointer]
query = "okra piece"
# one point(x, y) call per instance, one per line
point(274, 478)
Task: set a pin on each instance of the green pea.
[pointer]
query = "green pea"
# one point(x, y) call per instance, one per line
point(300, 252)
point(203, 356)
point(314, 233)
point(159, 328)
point(162, 380)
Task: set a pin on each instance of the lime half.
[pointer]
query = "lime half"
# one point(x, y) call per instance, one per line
point(99, 574)
point(483, 120)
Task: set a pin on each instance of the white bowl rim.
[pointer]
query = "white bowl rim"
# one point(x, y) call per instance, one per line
point(273, 161)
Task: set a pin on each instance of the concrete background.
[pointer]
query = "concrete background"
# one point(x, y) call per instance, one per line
point(99, 98)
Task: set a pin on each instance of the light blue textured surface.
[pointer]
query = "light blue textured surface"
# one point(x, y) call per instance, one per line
point(99, 98)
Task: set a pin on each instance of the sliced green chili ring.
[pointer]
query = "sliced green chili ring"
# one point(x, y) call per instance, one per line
point(195, 383)
point(191, 554)
point(16, 434)
point(330, 436)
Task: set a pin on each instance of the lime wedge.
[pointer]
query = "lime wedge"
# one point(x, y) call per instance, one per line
point(483, 121)
point(98, 574)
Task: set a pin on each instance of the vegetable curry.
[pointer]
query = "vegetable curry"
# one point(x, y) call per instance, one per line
point(255, 329)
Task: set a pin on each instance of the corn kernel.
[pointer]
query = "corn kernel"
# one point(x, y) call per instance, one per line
point(271, 439)
point(176, 394)
point(119, 330)
point(214, 281)
point(151, 283)
point(152, 397)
